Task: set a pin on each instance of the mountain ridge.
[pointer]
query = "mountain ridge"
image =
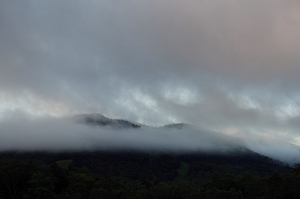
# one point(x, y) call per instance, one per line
point(101, 120)
point(180, 137)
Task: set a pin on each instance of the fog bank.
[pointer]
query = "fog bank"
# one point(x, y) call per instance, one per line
point(53, 134)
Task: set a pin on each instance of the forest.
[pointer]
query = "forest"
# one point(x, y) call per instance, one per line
point(111, 175)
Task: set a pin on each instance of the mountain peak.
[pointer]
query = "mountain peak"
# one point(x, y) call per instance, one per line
point(101, 120)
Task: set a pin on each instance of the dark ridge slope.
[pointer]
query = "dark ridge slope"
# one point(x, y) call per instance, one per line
point(158, 166)
point(100, 120)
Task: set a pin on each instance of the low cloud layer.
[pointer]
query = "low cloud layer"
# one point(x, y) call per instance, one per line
point(52, 134)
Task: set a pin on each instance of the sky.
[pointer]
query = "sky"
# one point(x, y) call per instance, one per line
point(223, 65)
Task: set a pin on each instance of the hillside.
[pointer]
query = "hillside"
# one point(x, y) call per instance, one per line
point(131, 174)
point(181, 162)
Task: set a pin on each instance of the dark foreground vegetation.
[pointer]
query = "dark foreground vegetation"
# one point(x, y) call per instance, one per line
point(112, 175)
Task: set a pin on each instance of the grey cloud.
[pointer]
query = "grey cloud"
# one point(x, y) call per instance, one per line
point(52, 134)
point(121, 58)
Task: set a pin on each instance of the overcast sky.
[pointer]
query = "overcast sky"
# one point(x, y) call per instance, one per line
point(226, 65)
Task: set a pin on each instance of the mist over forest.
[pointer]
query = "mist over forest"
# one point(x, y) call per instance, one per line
point(58, 135)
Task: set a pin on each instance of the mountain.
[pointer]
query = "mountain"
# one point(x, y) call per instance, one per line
point(219, 164)
point(182, 138)
point(169, 153)
point(100, 120)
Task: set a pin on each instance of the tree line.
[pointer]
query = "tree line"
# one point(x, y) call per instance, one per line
point(167, 177)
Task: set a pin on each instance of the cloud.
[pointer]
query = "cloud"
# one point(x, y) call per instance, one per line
point(20, 132)
point(216, 64)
